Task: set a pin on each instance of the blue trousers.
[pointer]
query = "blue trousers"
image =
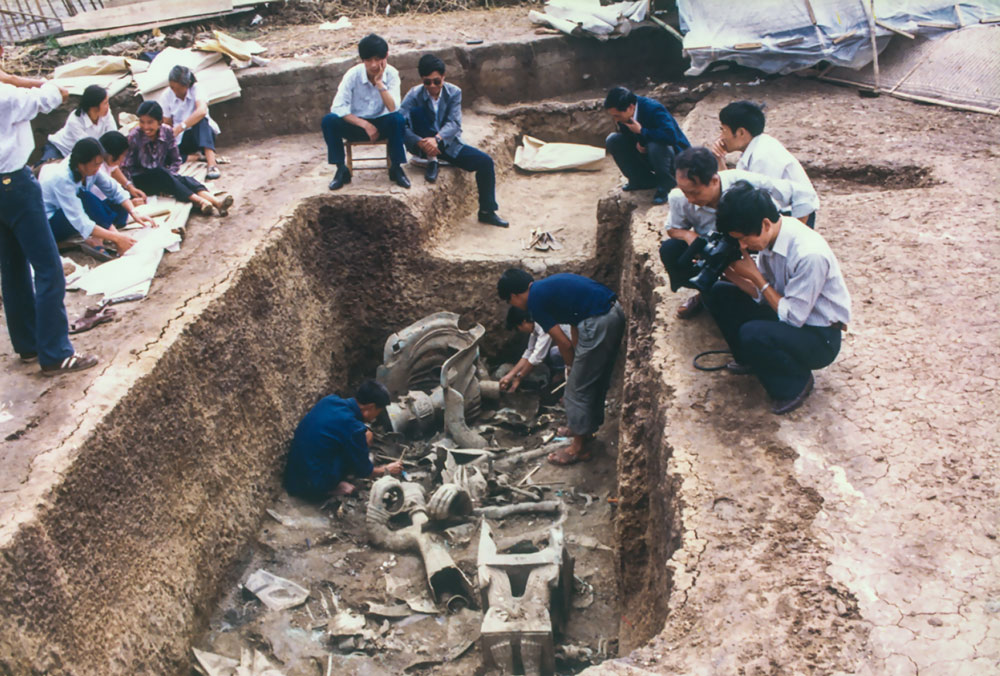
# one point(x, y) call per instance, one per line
point(103, 212)
point(652, 169)
point(782, 356)
point(198, 137)
point(390, 127)
point(467, 158)
point(36, 315)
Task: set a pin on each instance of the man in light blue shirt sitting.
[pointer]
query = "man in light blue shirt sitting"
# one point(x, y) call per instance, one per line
point(782, 316)
point(366, 109)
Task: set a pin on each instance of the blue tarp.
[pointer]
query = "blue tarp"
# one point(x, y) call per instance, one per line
point(781, 36)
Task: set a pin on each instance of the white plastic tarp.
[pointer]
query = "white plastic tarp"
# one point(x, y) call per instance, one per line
point(781, 36)
point(588, 17)
point(537, 155)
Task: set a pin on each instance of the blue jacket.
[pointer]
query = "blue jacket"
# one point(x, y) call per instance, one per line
point(329, 445)
point(422, 122)
point(657, 125)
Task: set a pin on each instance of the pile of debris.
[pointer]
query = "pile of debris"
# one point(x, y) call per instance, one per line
point(512, 595)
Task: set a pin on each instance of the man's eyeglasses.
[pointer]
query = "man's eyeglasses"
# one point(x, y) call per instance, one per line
point(428, 81)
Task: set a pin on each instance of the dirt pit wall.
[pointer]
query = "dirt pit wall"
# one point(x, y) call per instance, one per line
point(115, 575)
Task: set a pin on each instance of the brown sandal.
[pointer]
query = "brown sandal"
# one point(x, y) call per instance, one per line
point(689, 308)
point(91, 317)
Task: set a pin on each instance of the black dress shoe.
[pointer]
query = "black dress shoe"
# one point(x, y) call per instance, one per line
point(399, 176)
point(491, 218)
point(783, 406)
point(431, 173)
point(661, 196)
point(341, 178)
point(632, 187)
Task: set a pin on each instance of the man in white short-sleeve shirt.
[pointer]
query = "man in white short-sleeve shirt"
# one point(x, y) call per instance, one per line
point(741, 128)
point(539, 350)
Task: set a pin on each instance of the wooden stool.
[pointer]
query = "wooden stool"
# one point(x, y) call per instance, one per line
point(349, 155)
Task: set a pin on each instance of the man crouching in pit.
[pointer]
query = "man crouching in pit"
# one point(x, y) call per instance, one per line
point(331, 444)
point(597, 325)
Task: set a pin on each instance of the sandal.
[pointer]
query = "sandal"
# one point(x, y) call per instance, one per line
point(76, 362)
point(563, 458)
point(93, 316)
point(227, 202)
point(205, 208)
point(689, 308)
point(101, 253)
point(213, 173)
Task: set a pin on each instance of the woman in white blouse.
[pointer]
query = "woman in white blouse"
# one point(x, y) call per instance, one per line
point(187, 113)
point(91, 119)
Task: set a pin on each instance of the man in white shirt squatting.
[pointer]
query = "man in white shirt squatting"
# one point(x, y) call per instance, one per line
point(783, 315)
point(540, 349)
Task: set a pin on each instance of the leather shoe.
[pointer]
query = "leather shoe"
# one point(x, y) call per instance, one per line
point(783, 406)
point(739, 369)
point(431, 173)
point(632, 187)
point(341, 178)
point(399, 176)
point(661, 196)
point(689, 308)
point(491, 218)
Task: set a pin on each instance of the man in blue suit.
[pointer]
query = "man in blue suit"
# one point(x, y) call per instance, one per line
point(433, 111)
point(645, 143)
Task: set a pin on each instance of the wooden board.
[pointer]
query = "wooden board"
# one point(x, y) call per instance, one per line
point(80, 38)
point(142, 12)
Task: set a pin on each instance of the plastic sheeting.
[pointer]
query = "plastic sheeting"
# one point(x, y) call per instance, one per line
point(588, 17)
point(781, 36)
point(537, 155)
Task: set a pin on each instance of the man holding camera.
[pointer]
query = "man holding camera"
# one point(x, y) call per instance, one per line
point(783, 315)
point(693, 205)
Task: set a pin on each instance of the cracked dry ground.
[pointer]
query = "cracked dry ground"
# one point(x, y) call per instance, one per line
point(859, 534)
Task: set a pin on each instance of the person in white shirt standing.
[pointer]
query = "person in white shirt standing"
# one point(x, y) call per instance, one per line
point(187, 113)
point(741, 129)
point(783, 315)
point(366, 108)
point(36, 315)
point(91, 119)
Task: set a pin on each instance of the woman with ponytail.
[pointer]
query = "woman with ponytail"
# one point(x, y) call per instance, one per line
point(73, 210)
point(91, 118)
point(153, 160)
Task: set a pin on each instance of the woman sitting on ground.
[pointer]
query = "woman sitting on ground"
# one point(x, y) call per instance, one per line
point(74, 210)
point(153, 160)
point(91, 118)
point(193, 127)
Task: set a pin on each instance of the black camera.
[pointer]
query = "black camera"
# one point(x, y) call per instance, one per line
point(704, 261)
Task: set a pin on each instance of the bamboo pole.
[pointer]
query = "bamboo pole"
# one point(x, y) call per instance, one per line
point(869, 11)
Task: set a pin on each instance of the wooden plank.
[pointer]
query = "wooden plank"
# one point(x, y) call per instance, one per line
point(143, 13)
point(897, 31)
point(79, 38)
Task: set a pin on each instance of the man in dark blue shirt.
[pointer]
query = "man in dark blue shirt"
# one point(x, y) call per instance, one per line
point(645, 143)
point(598, 324)
point(331, 443)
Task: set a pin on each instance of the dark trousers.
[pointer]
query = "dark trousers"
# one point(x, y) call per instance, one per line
point(782, 356)
point(467, 158)
point(197, 138)
point(162, 182)
point(653, 169)
point(390, 127)
point(36, 315)
point(670, 251)
point(103, 212)
point(49, 153)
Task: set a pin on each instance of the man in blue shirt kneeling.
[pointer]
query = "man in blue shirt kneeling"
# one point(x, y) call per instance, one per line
point(331, 443)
